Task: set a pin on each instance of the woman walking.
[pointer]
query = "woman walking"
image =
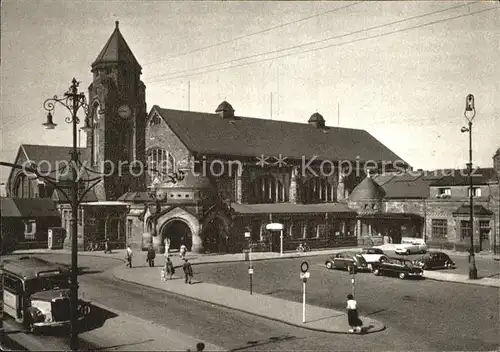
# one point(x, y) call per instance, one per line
point(352, 315)
point(169, 266)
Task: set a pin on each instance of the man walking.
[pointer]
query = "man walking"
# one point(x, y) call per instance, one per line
point(151, 256)
point(188, 271)
point(128, 256)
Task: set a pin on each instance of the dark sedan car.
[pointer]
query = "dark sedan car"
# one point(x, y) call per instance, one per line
point(348, 261)
point(434, 260)
point(397, 267)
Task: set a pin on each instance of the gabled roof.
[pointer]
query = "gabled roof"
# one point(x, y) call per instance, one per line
point(28, 208)
point(481, 176)
point(367, 189)
point(206, 133)
point(404, 185)
point(116, 50)
point(477, 210)
point(50, 157)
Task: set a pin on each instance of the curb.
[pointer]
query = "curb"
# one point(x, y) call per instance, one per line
point(471, 282)
point(84, 255)
point(249, 312)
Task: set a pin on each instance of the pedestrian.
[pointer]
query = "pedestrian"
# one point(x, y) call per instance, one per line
point(128, 256)
point(169, 268)
point(188, 271)
point(150, 258)
point(107, 248)
point(183, 251)
point(167, 246)
point(352, 315)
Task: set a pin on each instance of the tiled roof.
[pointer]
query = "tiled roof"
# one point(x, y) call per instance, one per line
point(287, 208)
point(49, 157)
point(116, 50)
point(206, 133)
point(367, 189)
point(480, 176)
point(404, 185)
point(58, 196)
point(28, 207)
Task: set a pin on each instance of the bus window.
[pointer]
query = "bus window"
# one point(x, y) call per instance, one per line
point(46, 283)
point(12, 284)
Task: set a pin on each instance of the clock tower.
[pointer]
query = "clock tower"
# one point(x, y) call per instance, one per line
point(117, 117)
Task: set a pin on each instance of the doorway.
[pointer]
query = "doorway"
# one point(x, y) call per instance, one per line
point(215, 236)
point(178, 232)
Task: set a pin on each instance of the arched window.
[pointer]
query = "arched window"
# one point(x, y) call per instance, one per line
point(23, 187)
point(155, 120)
point(318, 190)
point(160, 163)
point(267, 189)
point(95, 134)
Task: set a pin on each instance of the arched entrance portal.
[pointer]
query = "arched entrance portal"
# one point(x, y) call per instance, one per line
point(216, 237)
point(178, 232)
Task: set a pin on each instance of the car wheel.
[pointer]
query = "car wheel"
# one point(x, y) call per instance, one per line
point(328, 265)
point(370, 267)
point(447, 265)
point(402, 276)
point(425, 267)
point(376, 272)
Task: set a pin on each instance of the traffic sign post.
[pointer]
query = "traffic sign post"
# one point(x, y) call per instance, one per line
point(304, 275)
point(250, 274)
point(352, 271)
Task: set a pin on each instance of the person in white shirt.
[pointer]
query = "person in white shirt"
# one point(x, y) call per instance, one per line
point(352, 315)
point(183, 251)
point(128, 256)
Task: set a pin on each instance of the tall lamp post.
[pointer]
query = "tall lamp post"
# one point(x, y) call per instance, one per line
point(470, 113)
point(72, 101)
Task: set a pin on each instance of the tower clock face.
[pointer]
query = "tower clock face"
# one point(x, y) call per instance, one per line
point(124, 111)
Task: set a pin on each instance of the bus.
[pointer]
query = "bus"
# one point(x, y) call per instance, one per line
point(36, 293)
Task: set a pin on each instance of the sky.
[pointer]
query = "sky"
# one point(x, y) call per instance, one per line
point(400, 70)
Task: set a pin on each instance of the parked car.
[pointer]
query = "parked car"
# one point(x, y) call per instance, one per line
point(411, 245)
point(372, 256)
point(434, 260)
point(402, 268)
point(347, 260)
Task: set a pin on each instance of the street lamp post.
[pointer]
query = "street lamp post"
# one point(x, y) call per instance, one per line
point(73, 101)
point(470, 113)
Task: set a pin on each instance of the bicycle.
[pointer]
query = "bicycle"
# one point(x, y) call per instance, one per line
point(95, 246)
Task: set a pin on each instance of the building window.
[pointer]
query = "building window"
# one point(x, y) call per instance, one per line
point(161, 164)
point(464, 229)
point(155, 120)
point(318, 190)
point(297, 229)
point(444, 191)
point(129, 228)
point(267, 189)
point(439, 228)
point(476, 192)
point(29, 230)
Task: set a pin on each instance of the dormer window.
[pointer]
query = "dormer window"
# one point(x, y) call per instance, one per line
point(476, 192)
point(155, 120)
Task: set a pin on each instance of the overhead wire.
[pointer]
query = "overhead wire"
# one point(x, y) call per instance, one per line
point(251, 34)
point(178, 74)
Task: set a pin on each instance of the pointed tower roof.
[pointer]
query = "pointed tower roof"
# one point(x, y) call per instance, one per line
point(116, 50)
point(367, 189)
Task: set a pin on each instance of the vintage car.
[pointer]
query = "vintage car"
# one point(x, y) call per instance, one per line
point(36, 293)
point(434, 260)
point(347, 260)
point(411, 245)
point(372, 256)
point(397, 267)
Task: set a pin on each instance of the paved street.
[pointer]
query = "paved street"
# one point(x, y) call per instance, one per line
point(227, 328)
point(443, 314)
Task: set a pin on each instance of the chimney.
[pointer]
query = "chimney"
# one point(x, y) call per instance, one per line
point(496, 163)
point(225, 110)
point(316, 120)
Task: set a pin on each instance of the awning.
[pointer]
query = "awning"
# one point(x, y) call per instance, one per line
point(28, 208)
point(384, 216)
point(464, 210)
point(288, 208)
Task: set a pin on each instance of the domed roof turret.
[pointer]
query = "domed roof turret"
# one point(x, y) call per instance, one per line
point(316, 120)
point(367, 189)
